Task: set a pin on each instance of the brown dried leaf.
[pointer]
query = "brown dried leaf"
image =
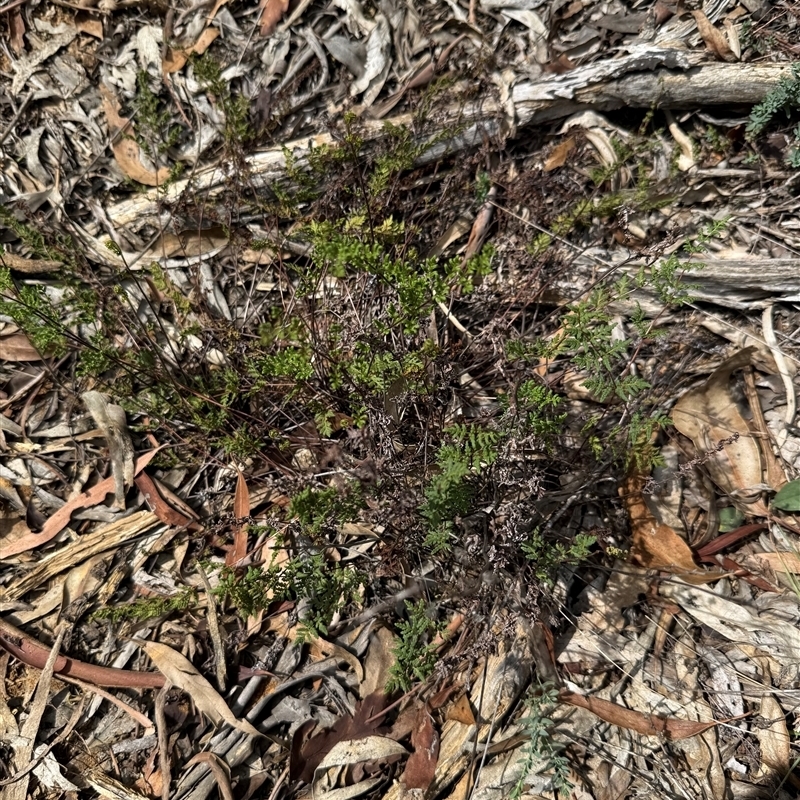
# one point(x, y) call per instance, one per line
point(559, 154)
point(175, 58)
point(714, 39)
point(271, 13)
point(241, 510)
point(647, 724)
point(461, 711)
point(56, 523)
point(16, 26)
point(126, 151)
point(655, 545)
point(18, 347)
point(180, 672)
point(421, 764)
point(708, 415)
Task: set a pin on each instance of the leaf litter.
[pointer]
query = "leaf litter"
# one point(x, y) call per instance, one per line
point(624, 633)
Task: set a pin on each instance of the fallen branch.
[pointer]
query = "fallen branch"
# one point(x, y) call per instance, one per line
point(648, 77)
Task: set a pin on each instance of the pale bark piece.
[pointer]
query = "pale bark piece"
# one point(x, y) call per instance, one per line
point(378, 662)
point(670, 78)
point(30, 266)
point(111, 419)
point(507, 675)
point(25, 67)
point(106, 538)
point(369, 748)
point(737, 622)
point(180, 672)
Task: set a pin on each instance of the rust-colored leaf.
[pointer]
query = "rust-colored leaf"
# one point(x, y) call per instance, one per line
point(647, 724)
point(160, 507)
point(714, 39)
point(175, 58)
point(56, 523)
point(655, 545)
point(421, 764)
point(271, 13)
point(560, 153)
point(241, 510)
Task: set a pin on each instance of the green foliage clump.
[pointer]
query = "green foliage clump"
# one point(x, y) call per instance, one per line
point(148, 607)
point(547, 556)
point(542, 752)
point(785, 97)
point(327, 586)
point(414, 655)
point(448, 494)
point(317, 509)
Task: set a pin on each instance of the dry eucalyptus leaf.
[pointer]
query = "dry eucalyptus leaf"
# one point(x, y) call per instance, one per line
point(709, 415)
point(271, 13)
point(353, 751)
point(655, 545)
point(180, 672)
point(175, 58)
point(18, 347)
point(559, 154)
point(714, 39)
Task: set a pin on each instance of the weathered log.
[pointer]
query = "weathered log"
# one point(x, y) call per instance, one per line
point(648, 77)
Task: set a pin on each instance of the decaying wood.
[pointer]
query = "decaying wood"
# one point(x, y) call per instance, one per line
point(743, 283)
point(648, 77)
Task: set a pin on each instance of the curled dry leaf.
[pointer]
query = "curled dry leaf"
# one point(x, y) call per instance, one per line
point(714, 39)
point(180, 672)
point(647, 724)
point(126, 151)
point(736, 460)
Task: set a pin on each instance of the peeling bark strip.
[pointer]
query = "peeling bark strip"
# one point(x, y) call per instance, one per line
point(33, 653)
point(647, 77)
